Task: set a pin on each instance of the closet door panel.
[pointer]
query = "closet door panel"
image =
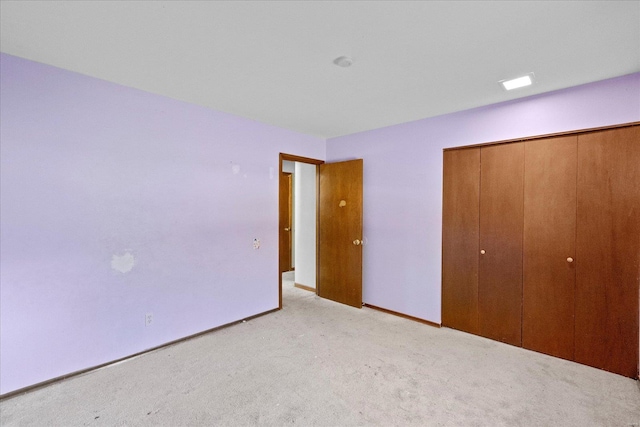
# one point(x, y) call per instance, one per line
point(608, 250)
point(501, 225)
point(549, 246)
point(461, 199)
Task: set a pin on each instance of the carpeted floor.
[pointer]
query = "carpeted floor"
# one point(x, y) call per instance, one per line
point(320, 363)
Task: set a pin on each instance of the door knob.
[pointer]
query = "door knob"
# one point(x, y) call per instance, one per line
point(482, 251)
point(356, 242)
point(569, 259)
point(287, 229)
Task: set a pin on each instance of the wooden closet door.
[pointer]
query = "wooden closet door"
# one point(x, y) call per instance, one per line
point(549, 245)
point(608, 250)
point(501, 223)
point(461, 200)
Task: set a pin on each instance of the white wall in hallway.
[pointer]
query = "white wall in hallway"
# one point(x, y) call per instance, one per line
point(305, 223)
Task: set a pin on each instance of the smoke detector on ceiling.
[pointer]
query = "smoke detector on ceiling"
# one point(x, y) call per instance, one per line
point(343, 61)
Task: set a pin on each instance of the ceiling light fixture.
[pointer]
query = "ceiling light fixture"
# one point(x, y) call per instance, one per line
point(519, 82)
point(343, 61)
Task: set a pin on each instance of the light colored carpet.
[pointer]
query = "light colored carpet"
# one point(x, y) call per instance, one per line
point(321, 363)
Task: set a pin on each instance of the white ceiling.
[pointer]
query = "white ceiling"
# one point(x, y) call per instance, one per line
point(272, 61)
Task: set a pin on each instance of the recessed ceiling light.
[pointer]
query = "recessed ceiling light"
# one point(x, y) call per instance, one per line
point(343, 61)
point(516, 83)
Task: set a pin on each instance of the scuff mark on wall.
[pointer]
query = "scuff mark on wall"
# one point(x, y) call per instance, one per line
point(235, 169)
point(123, 263)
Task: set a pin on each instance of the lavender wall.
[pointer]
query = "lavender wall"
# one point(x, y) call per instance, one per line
point(116, 203)
point(403, 180)
point(95, 176)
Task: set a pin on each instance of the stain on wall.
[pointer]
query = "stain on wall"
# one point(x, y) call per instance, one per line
point(123, 263)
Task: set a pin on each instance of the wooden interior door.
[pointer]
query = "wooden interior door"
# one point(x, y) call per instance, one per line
point(501, 224)
point(608, 250)
point(460, 234)
point(340, 232)
point(549, 245)
point(285, 219)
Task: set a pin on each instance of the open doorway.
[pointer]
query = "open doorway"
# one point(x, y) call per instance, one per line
point(298, 221)
point(335, 262)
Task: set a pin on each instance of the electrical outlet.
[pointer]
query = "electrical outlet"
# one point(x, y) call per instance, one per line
point(148, 319)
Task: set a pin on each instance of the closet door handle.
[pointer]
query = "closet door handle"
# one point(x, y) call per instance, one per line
point(482, 252)
point(569, 260)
